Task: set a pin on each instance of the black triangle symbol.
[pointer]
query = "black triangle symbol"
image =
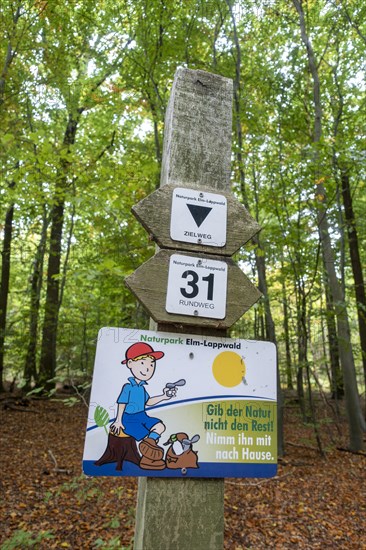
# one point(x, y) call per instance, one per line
point(199, 213)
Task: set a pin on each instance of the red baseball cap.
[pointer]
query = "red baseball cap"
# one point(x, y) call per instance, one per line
point(140, 348)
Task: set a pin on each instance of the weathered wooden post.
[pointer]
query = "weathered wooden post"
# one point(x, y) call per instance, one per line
point(188, 513)
point(194, 291)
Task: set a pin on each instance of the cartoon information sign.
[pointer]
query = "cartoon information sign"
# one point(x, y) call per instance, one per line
point(178, 405)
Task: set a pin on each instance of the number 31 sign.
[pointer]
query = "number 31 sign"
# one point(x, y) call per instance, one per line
point(196, 286)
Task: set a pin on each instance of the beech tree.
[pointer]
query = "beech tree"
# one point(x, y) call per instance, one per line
point(344, 335)
point(77, 41)
point(18, 26)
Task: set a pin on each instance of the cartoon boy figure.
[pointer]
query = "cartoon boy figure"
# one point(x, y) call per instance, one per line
point(131, 416)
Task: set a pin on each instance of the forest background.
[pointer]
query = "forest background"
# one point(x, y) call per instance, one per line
point(84, 87)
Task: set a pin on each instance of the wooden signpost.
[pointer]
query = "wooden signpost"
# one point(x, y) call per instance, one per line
point(192, 282)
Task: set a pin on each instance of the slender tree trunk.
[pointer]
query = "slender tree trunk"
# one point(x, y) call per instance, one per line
point(340, 168)
point(258, 325)
point(260, 262)
point(67, 254)
point(302, 346)
point(8, 228)
point(344, 340)
point(335, 368)
point(10, 53)
point(30, 367)
point(354, 251)
point(237, 108)
point(313, 410)
point(260, 257)
point(47, 367)
point(84, 356)
point(354, 412)
point(158, 154)
point(286, 329)
point(4, 285)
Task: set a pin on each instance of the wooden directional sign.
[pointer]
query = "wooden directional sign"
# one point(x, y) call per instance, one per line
point(149, 283)
point(194, 218)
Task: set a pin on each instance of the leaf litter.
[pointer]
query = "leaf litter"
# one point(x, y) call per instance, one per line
point(47, 503)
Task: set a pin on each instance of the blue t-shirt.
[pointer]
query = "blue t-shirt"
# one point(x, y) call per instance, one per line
point(134, 395)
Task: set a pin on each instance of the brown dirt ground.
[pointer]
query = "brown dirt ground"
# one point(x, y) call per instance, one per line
point(313, 502)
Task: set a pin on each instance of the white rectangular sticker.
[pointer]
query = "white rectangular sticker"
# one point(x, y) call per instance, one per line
point(198, 217)
point(197, 286)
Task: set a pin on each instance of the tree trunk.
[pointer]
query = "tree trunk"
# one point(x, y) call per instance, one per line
point(47, 367)
point(335, 369)
point(8, 227)
point(286, 329)
point(344, 340)
point(260, 257)
point(262, 285)
point(354, 251)
point(30, 367)
point(354, 412)
point(4, 285)
point(302, 336)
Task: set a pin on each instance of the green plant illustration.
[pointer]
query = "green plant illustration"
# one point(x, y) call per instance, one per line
point(101, 417)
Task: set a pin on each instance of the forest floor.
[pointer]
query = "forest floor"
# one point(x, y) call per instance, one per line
point(314, 501)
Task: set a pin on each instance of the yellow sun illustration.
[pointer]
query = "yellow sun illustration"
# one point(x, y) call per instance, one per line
point(228, 369)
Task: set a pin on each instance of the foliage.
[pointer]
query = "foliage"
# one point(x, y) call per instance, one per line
point(106, 69)
point(25, 539)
